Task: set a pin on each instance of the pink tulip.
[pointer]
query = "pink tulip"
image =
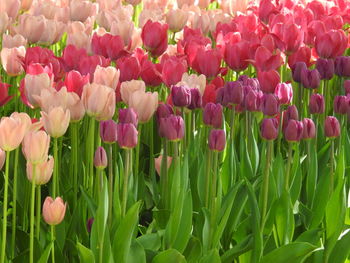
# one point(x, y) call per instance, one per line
point(80, 10)
point(4, 22)
point(268, 80)
point(56, 121)
point(144, 103)
point(54, 210)
point(331, 44)
point(107, 76)
point(43, 171)
point(12, 131)
point(34, 84)
point(11, 60)
point(9, 41)
point(176, 19)
point(284, 92)
point(124, 29)
point(265, 60)
point(129, 87)
point(4, 95)
point(155, 37)
point(36, 146)
point(2, 158)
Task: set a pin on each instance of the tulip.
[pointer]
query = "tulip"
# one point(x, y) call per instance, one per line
point(232, 93)
point(252, 99)
point(11, 60)
point(297, 69)
point(293, 131)
point(341, 104)
point(164, 110)
point(268, 80)
point(99, 101)
point(270, 105)
point(176, 19)
point(127, 135)
point(331, 44)
point(108, 46)
point(9, 41)
point(172, 128)
point(54, 210)
point(173, 69)
point(212, 115)
point(193, 81)
point(72, 56)
point(325, 67)
point(144, 104)
point(310, 78)
point(124, 29)
point(129, 87)
point(128, 115)
point(108, 131)
point(36, 146)
point(196, 99)
point(56, 121)
point(316, 104)
point(284, 92)
point(107, 76)
point(2, 158)
point(4, 21)
point(309, 130)
point(75, 82)
point(302, 55)
point(43, 171)
point(34, 84)
point(100, 158)
point(76, 107)
point(265, 60)
point(342, 66)
point(269, 129)
point(347, 86)
point(129, 68)
point(217, 140)
point(331, 127)
point(12, 131)
point(158, 163)
point(151, 73)
point(180, 96)
point(207, 62)
point(237, 55)
point(155, 37)
point(4, 96)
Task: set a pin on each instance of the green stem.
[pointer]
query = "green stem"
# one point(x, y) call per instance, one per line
point(126, 180)
point(207, 179)
point(75, 161)
point(138, 176)
point(32, 207)
point(290, 154)
point(4, 221)
point(110, 182)
point(38, 211)
point(55, 170)
point(53, 243)
point(14, 208)
point(164, 174)
point(332, 165)
point(213, 195)
point(92, 151)
point(265, 190)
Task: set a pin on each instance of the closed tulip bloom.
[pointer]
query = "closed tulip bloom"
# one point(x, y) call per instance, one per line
point(158, 163)
point(34, 84)
point(56, 121)
point(128, 115)
point(284, 92)
point(310, 78)
point(164, 110)
point(293, 131)
point(265, 60)
point(129, 67)
point(123, 28)
point(144, 104)
point(4, 21)
point(100, 158)
point(325, 67)
point(316, 104)
point(176, 19)
point(173, 68)
point(252, 100)
point(129, 87)
point(269, 129)
point(347, 86)
point(127, 135)
point(331, 127)
point(155, 37)
point(341, 104)
point(196, 99)
point(194, 81)
point(76, 107)
point(172, 128)
point(75, 82)
point(108, 46)
point(99, 101)
point(212, 115)
point(309, 130)
point(107, 76)
point(217, 140)
point(36, 146)
point(11, 60)
point(237, 55)
point(108, 131)
point(54, 210)
point(342, 66)
point(180, 96)
point(207, 62)
point(231, 93)
point(268, 80)
point(2, 158)
point(12, 131)
point(297, 69)
point(331, 44)
point(43, 171)
point(270, 105)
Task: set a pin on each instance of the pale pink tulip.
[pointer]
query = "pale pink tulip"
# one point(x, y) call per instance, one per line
point(108, 76)
point(24, 118)
point(11, 60)
point(158, 163)
point(128, 87)
point(144, 103)
point(176, 19)
point(54, 210)
point(35, 146)
point(12, 131)
point(193, 81)
point(34, 84)
point(4, 22)
point(26, 4)
point(80, 10)
point(150, 14)
point(43, 171)
point(56, 121)
point(50, 98)
point(9, 41)
point(124, 29)
point(31, 27)
point(11, 7)
point(76, 107)
point(181, 3)
point(2, 158)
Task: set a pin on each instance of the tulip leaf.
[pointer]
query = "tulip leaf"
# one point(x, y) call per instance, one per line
point(136, 253)
point(242, 247)
point(85, 254)
point(341, 249)
point(193, 250)
point(284, 218)
point(46, 254)
point(169, 256)
point(211, 257)
point(311, 175)
point(150, 241)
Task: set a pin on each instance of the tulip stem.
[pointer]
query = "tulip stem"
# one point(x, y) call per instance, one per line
point(164, 174)
point(4, 221)
point(138, 176)
point(213, 195)
point(14, 208)
point(265, 189)
point(289, 161)
point(332, 165)
point(91, 161)
point(53, 243)
point(110, 181)
point(75, 161)
point(38, 211)
point(55, 170)
point(32, 207)
point(126, 180)
point(207, 179)
point(232, 150)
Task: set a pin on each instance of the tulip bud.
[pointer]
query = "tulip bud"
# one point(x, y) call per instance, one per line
point(155, 37)
point(217, 140)
point(341, 104)
point(342, 66)
point(232, 93)
point(310, 78)
point(284, 93)
point(325, 67)
point(297, 69)
point(36, 146)
point(127, 135)
point(252, 99)
point(268, 80)
point(196, 99)
point(316, 104)
point(331, 127)
point(291, 113)
point(347, 86)
point(128, 115)
point(2, 158)
point(270, 105)
point(100, 158)
point(212, 115)
point(180, 96)
point(54, 210)
point(293, 131)
point(164, 110)
point(269, 129)
point(309, 130)
point(172, 128)
point(108, 131)
point(43, 171)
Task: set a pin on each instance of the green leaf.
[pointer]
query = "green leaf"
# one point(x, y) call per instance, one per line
point(237, 250)
point(284, 218)
point(211, 257)
point(311, 173)
point(341, 249)
point(90, 202)
point(193, 250)
point(150, 241)
point(169, 256)
point(85, 254)
point(311, 236)
point(136, 253)
point(45, 255)
point(291, 253)
point(123, 235)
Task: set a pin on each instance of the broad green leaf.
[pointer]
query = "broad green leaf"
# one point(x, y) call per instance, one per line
point(85, 254)
point(341, 249)
point(310, 236)
point(311, 175)
point(291, 253)
point(45, 255)
point(136, 253)
point(237, 250)
point(193, 250)
point(169, 256)
point(284, 218)
point(150, 241)
point(211, 257)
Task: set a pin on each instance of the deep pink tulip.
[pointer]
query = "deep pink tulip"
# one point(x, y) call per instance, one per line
point(347, 86)
point(252, 99)
point(100, 158)
point(129, 67)
point(341, 104)
point(155, 37)
point(237, 55)
point(331, 127)
point(303, 54)
point(127, 135)
point(284, 92)
point(293, 131)
point(268, 80)
point(151, 73)
point(108, 131)
point(269, 129)
point(207, 62)
point(310, 78)
point(316, 104)
point(331, 44)
point(270, 104)
point(108, 46)
point(164, 110)
point(4, 95)
point(71, 57)
point(172, 128)
point(342, 66)
point(128, 115)
point(172, 69)
point(265, 60)
point(75, 82)
point(217, 140)
point(180, 96)
point(309, 130)
point(212, 115)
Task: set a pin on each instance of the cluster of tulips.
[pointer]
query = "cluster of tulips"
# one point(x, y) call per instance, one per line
point(175, 131)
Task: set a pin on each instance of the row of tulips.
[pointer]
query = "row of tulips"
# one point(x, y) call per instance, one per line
point(179, 131)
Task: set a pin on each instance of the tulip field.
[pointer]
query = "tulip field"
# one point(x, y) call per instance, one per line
point(174, 131)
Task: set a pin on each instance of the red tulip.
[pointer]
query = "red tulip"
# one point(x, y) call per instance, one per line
point(75, 82)
point(303, 54)
point(237, 55)
point(72, 56)
point(151, 73)
point(172, 69)
point(331, 44)
point(155, 37)
point(108, 46)
point(129, 67)
point(265, 60)
point(87, 65)
point(268, 80)
point(207, 62)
